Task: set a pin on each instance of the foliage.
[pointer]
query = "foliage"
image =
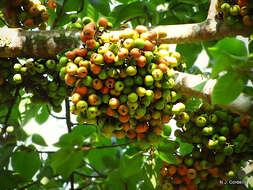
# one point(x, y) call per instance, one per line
point(85, 157)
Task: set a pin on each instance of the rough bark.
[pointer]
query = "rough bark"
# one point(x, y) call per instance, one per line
point(45, 44)
point(185, 83)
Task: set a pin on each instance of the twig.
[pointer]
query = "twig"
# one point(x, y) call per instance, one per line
point(35, 150)
point(85, 148)
point(98, 172)
point(72, 181)
point(130, 19)
point(68, 120)
point(56, 117)
point(85, 186)
point(29, 185)
point(12, 103)
point(59, 15)
point(89, 176)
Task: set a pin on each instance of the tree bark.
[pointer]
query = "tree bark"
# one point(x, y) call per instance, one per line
point(185, 83)
point(46, 44)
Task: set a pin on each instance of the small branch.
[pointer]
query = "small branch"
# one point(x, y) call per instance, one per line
point(85, 148)
point(98, 172)
point(68, 120)
point(88, 176)
point(59, 15)
point(72, 181)
point(12, 103)
point(56, 117)
point(29, 185)
point(22, 147)
point(130, 19)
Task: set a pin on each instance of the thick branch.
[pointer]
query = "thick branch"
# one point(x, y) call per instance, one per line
point(185, 83)
point(45, 44)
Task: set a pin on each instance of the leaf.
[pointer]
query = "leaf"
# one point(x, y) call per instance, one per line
point(124, 12)
point(101, 6)
point(114, 182)
point(222, 63)
point(199, 86)
point(38, 139)
point(130, 165)
point(232, 46)
point(84, 130)
point(69, 140)
point(26, 163)
point(5, 153)
point(65, 161)
point(97, 157)
point(42, 115)
point(184, 148)
point(10, 179)
point(250, 46)
point(248, 90)
point(190, 52)
point(227, 89)
point(193, 104)
point(167, 157)
point(168, 146)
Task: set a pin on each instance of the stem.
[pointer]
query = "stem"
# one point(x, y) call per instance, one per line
point(56, 117)
point(88, 176)
point(68, 120)
point(132, 18)
point(12, 103)
point(98, 172)
point(85, 148)
point(72, 181)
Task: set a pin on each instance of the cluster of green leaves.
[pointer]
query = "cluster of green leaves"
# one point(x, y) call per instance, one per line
point(153, 13)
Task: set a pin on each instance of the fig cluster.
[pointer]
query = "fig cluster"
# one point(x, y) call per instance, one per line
point(123, 81)
point(41, 78)
point(236, 11)
point(217, 130)
point(199, 170)
point(26, 13)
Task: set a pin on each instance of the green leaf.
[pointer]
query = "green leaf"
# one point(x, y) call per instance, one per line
point(248, 90)
point(199, 86)
point(5, 153)
point(42, 115)
point(222, 63)
point(227, 89)
point(124, 12)
point(38, 139)
point(101, 6)
point(65, 161)
point(97, 157)
point(114, 182)
point(184, 148)
point(167, 157)
point(26, 163)
point(168, 146)
point(70, 140)
point(10, 179)
point(232, 46)
point(250, 46)
point(190, 52)
point(72, 5)
point(193, 104)
point(84, 130)
point(129, 164)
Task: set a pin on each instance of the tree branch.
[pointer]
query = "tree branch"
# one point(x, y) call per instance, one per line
point(46, 44)
point(185, 83)
point(68, 120)
point(85, 148)
point(88, 176)
point(12, 103)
